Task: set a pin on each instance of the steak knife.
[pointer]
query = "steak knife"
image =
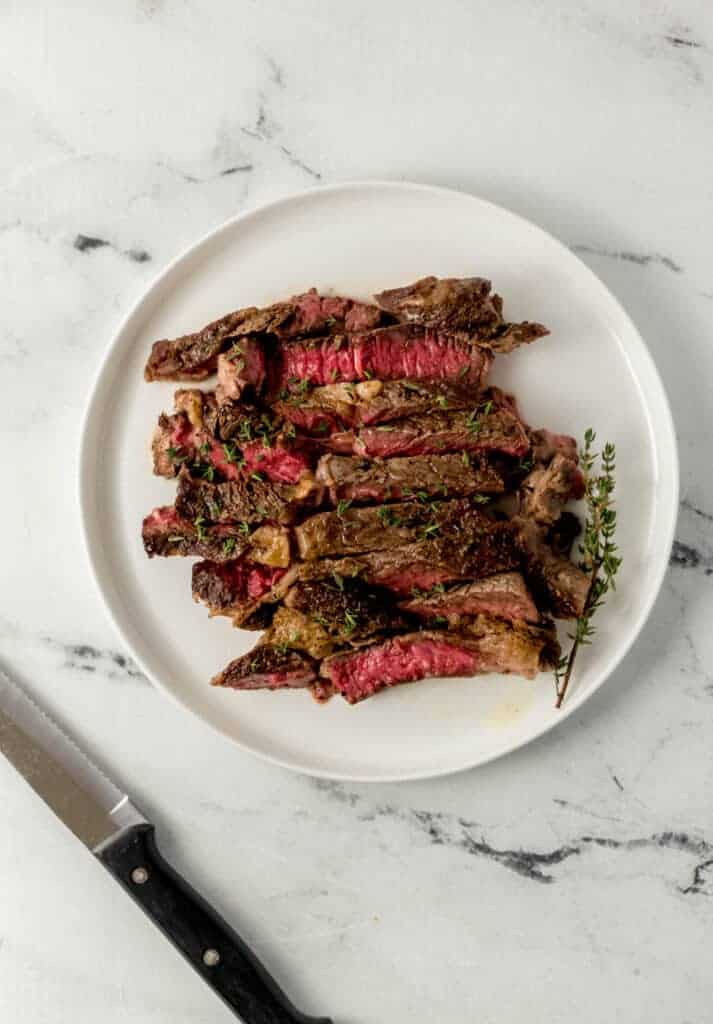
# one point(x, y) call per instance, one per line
point(110, 825)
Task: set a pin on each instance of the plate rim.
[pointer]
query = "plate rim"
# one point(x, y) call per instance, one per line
point(664, 437)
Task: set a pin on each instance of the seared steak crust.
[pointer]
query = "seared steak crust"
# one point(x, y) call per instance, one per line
point(399, 479)
point(268, 667)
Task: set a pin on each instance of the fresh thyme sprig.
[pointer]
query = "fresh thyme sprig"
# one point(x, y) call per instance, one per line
point(600, 560)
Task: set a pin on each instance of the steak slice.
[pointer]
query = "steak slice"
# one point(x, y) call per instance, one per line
point(195, 356)
point(503, 596)
point(494, 647)
point(387, 353)
point(347, 609)
point(268, 667)
point(352, 479)
point(547, 489)
point(165, 534)
point(251, 500)
point(557, 583)
point(234, 588)
point(459, 304)
point(434, 432)
point(259, 443)
point(471, 546)
point(326, 409)
point(354, 530)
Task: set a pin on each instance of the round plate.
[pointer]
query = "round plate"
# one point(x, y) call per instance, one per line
point(593, 370)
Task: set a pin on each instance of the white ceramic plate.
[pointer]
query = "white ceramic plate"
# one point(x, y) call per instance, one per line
point(594, 370)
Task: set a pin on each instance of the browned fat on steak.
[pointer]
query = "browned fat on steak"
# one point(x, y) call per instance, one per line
point(387, 353)
point(473, 546)
point(358, 480)
point(546, 490)
point(237, 587)
point(334, 406)
point(195, 356)
point(557, 583)
point(459, 304)
point(431, 433)
point(495, 646)
point(268, 667)
point(353, 530)
point(247, 500)
point(503, 596)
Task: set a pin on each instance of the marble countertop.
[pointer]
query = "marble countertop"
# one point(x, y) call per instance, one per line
point(572, 879)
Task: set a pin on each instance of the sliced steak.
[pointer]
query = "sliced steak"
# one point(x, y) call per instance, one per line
point(353, 530)
point(251, 500)
point(326, 409)
point(358, 480)
point(435, 432)
point(259, 445)
point(234, 588)
point(473, 546)
point(387, 353)
point(502, 647)
point(165, 533)
point(349, 610)
point(504, 596)
point(556, 582)
point(268, 667)
point(448, 302)
point(195, 356)
point(459, 304)
point(546, 490)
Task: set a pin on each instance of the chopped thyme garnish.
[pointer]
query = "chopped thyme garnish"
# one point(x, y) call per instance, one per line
point(342, 507)
point(229, 546)
point(199, 523)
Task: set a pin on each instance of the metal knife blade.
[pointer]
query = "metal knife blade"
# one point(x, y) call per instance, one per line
point(77, 791)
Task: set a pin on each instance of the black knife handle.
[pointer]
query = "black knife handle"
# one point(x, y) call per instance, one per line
point(210, 945)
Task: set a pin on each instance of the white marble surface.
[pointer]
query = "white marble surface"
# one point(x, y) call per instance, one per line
point(571, 880)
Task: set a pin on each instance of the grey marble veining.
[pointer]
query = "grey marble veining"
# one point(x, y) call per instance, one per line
point(572, 880)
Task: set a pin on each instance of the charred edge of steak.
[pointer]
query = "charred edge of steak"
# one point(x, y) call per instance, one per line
point(435, 433)
point(268, 667)
point(503, 595)
point(195, 356)
point(247, 501)
point(557, 584)
point(397, 479)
